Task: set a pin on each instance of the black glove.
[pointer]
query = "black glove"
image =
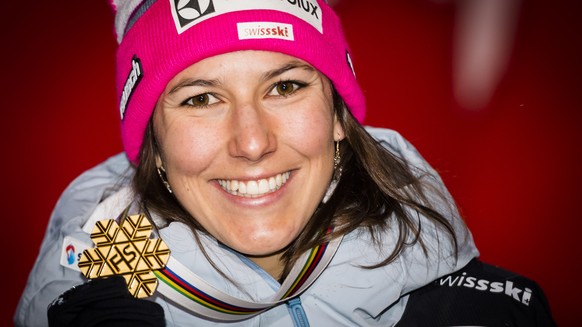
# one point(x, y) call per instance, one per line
point(103, 302)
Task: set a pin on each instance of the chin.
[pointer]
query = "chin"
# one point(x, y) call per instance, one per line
point(262, 248)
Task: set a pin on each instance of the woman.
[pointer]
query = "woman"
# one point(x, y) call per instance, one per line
point(240, 123)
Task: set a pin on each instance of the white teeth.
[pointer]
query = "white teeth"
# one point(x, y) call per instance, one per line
point(254, 188)
point(272, 183)
point(263, 186)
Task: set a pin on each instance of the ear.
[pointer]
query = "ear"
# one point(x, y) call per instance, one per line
point(338, 130)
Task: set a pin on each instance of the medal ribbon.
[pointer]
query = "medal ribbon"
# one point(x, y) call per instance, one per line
point(184, 287)
point(191, 292)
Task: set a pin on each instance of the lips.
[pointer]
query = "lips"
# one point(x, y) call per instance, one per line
point(254, 188)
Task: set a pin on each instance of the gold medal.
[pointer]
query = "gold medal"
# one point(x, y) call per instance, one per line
point(126, 250)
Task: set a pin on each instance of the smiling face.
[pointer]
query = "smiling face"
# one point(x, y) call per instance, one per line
point(247, 141)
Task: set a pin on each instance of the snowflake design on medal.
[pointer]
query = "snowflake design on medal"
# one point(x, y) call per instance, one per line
point(126, 250)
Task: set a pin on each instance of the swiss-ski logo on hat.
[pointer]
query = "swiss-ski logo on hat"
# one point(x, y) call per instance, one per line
point(265, 30)
point(187, 13)
point(131, 83)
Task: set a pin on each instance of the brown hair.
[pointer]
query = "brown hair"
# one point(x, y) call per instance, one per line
point(374, 190)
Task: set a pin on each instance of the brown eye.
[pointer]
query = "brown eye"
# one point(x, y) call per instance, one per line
point(201, 100)
point(286, 88)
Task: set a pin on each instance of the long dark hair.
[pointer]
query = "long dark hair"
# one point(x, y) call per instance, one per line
point(374, 190)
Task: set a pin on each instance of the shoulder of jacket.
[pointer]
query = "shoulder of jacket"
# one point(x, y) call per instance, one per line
point(400, 147)
point(85, 192)
point(114, 170)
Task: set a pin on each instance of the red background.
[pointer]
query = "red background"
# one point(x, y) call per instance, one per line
point(513, 166)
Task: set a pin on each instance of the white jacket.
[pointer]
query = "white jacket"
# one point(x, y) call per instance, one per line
point(345, 294)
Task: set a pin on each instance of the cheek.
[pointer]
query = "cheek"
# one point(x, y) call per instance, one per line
point(311, 131)
point(188, 146)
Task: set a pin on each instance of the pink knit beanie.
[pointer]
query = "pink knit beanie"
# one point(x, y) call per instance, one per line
point(159, 39)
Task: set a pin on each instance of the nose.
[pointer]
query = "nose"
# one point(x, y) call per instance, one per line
point(252, 133)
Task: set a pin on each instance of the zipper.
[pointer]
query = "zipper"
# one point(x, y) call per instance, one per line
point(297, 313)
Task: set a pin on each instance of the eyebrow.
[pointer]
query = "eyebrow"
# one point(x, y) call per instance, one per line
point(194, 82)
point(266, 76)
point(290, 66)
